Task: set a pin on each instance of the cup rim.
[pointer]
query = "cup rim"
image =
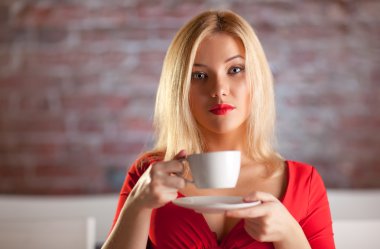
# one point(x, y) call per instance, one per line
point(215, 152)
point(233, 153)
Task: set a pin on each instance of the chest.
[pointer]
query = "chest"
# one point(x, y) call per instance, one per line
point(249, 181)
point(174, 227)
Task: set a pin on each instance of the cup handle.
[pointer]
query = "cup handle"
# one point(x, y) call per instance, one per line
point(185, 168)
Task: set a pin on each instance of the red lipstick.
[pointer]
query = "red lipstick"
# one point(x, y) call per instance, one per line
point(221, 109)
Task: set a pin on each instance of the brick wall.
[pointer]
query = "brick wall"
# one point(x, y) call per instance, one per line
point(78, 80)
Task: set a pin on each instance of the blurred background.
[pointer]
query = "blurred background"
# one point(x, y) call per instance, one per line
point(78, 82)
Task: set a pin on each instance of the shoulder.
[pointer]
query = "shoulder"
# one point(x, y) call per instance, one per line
point(306, 175)
point(300, 167)
point(145, 160)
point(302, 170)
point(148, 158)
point(305, 188)
point(308, 203)
point(142, 163)
point(137, 169)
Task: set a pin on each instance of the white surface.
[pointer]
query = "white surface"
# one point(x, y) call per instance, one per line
point(354, 204)
point(101, 207)
point(207, 204)
point(354, 234)
point(348, 208)
point(356, 218)
point(48, 233)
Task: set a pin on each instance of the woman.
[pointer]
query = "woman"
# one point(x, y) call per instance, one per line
point(216, 93)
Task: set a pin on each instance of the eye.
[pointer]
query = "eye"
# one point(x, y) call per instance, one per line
point(198, 76)
point(235, 70)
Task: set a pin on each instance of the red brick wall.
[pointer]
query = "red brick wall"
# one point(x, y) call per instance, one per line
point(78, 80)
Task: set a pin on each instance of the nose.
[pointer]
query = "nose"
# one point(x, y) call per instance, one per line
point(219, 88)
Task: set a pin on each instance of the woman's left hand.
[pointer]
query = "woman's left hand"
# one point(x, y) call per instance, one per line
point(269, 221)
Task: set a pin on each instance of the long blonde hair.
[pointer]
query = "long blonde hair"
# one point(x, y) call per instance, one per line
point(174, 124)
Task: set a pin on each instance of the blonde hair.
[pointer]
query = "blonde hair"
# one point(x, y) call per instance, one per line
point(174, 124)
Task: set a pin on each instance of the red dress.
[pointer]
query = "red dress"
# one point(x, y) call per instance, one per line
point(176, 227)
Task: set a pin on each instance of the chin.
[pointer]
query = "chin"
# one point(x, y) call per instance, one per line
point(224, 129)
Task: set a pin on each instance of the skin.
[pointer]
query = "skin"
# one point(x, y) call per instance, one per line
point(218, 76)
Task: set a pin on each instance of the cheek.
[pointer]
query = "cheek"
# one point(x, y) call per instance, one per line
point(192, 97)
point(193, 92)
point(245, 97)
point(242, 90)
point(196, 95)
point(193, 100)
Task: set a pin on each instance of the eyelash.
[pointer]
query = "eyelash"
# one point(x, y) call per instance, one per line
point(203, 75)
point(241, 68)
point(195, 74)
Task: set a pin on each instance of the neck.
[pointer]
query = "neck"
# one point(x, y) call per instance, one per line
point(230, 141)
point(234, 140)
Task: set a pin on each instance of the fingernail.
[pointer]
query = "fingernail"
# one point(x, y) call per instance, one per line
point(247, 199)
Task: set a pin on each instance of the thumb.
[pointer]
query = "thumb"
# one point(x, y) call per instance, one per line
point(180, 155)
point(259, 196)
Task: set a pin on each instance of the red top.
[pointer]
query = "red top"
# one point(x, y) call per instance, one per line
point(176, 227)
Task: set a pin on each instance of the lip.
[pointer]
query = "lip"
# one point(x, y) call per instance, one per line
point(221, 109)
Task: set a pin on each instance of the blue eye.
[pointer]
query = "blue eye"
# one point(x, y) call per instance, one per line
point(235, 70)
point(198, 76)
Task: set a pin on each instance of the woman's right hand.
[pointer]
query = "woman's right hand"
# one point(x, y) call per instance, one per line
point(159, 184)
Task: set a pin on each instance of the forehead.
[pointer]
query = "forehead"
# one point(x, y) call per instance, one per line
point(219, 45)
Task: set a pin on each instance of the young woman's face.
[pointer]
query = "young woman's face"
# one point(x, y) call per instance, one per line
point(219, 92)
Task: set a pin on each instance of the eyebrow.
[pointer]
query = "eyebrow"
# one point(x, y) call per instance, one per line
point(229, 59)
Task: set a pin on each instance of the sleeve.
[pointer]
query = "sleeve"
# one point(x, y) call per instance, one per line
point(136, 170)
point(317, 225)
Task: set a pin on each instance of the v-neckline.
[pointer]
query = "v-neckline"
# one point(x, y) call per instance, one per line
point(239, 223)
point(219, 242)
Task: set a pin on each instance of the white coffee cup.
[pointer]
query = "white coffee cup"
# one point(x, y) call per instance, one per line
point(218, 169)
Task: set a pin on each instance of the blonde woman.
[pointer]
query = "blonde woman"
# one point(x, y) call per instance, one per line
point(215, 94)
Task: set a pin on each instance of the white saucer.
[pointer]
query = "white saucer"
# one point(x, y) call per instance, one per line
point(211, 204)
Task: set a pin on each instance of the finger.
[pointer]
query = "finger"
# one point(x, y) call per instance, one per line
point(180, 155)
point(163, 183)
point(252, 212)
point(162, 194)
point(175, 182)
point(183, 173)
point(255, 231)
point(168, 167)
point(175, 166)
point(254, 222)
point(252, 228)
point(259, 196)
